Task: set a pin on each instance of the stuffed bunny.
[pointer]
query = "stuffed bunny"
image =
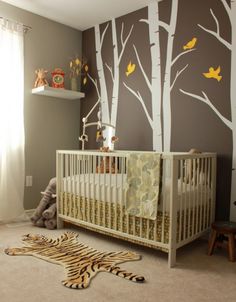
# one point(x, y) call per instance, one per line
point(41, 78)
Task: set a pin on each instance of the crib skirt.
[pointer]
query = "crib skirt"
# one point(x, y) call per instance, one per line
point(114, 216)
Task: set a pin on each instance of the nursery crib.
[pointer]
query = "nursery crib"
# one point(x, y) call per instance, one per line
point(92, 191)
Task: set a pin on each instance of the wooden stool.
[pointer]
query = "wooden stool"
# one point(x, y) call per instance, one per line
point(219, 230)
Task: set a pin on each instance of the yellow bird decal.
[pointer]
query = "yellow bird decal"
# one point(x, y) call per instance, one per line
point(190, 44)
point(130, 68)
point(213, 74)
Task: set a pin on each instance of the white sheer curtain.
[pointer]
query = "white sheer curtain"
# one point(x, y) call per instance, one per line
point(12, 138)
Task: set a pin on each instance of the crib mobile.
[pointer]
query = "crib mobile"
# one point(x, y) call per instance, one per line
point(100, 129)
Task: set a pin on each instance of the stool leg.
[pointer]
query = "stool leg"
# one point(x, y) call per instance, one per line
point(231, 247)
point(212, 242)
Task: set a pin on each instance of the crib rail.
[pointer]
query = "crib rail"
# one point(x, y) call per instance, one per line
point(91, 190)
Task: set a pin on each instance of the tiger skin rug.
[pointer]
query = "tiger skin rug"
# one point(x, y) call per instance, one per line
point(80, 261)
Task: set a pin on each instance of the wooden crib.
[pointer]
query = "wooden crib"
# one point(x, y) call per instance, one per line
point(91, 192)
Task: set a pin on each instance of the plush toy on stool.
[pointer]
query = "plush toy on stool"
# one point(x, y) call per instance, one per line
point(45, 213)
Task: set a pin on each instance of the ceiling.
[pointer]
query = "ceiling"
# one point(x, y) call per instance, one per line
point(80, 14)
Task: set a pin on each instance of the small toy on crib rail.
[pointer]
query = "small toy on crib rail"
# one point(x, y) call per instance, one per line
point(104, 149)
point(114, 139)
point(191, 171)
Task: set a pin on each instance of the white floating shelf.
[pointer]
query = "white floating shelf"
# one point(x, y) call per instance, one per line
point(58, 93)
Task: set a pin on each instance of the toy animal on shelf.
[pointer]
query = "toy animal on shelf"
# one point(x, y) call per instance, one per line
point(41, 78)
point(45, 213)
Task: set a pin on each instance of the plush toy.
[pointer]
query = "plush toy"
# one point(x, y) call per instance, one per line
point(45, 213)
point(191, 175)
point(41, 78)
point(50, 223)
point(105, 165)
point(51, 211)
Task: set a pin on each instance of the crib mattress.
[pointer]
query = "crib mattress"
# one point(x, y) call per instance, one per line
point(112, 188)
point(104, 187)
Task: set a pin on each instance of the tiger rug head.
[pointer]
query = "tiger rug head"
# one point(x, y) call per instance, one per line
point(80, 261)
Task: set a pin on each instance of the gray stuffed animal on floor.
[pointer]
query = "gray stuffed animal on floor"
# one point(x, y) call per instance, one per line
point(45, 213)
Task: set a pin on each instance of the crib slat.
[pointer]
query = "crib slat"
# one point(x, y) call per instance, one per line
point(189, 196)
point(80, 190)
point(60, 189)
point(198, 199)
point(194, 197)
point(114, 194)
point(204, 175)
point(164, 200)
point(208, 192)
point(74, 185)
point(181, 198)
point(185, 200)
point(70, 184)
point(94, 188)
point(122, 194)
point(173, 211)
point(104, 192)
point(148, 228)
point(99, 191)
point(110, 200)
point(203, 194)
point(90, 158)
point(201, 164)
point(84, 186)
point(67, 182)
point(213, 188)
point(134, 224)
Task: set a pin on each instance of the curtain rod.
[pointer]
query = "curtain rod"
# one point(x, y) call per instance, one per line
point(26, 27)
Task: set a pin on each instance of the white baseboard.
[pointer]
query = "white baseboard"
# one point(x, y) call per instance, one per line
point(29, 212)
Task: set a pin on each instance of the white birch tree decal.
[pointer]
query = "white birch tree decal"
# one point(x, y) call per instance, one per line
point(102, 94)
point(155, 84)
point(109, 116)
point(231, 124)
point(160, 94)
point(167, 79)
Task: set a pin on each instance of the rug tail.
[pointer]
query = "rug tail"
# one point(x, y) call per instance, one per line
point(124, 274)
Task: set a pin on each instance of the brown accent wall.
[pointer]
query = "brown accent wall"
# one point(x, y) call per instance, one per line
point(194, 124)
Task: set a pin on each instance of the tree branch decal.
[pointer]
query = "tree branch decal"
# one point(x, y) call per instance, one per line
point(165, 26)
point(181, 54)
point(111, 72)
point(103, 35)
point(216, 33)
point(139, 97)
point(124, 42)
point(95, 83)
point(145, 21)
point(142, 69)
point(206, 100)
point(227, 8)
point(178, 73)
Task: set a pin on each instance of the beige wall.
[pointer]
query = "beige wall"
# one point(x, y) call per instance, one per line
point(50, 123)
